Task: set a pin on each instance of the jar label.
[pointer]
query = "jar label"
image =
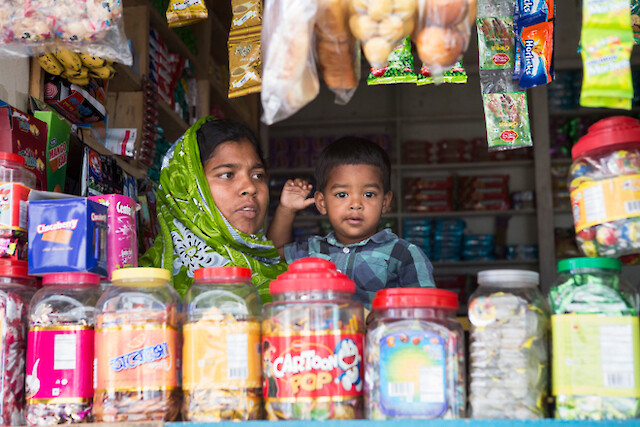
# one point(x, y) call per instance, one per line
point(597, 355)
point(59, 364)
point(13, 206)
point(319, 364)
point(136, 358)
point(413, 380)
point(219, 355)
point(607, 200)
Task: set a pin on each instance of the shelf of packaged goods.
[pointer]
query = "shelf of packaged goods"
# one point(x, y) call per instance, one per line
point(467, 165)
point(508, 212)
point(482, 264)
point(437, 118)
point(561, 161)
point(125, 80)
point(418, 423)
point(233, 107)
point(170, 121)
point(585, 112)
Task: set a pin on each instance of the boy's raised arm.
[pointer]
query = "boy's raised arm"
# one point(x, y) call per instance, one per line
point(293, 199)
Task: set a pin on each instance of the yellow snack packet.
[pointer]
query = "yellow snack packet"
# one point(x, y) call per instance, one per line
point(245, 65)
point(186, 12)
point(246, 15)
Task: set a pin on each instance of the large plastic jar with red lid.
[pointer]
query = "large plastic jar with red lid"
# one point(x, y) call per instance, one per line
point(605, 188)
point(312, 343)
point(222, 372)
point(414, 356)
point(16, 182)
point(16, 290)
point(59, 384)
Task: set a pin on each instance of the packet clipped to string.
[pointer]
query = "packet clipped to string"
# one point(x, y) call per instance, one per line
point(455, 74)
point(399, 68)
point(247, 16)
point(635, 20)
point(186, 12)
point(245, 53)
point(496, 42)
point(607, 40)
point(533, 24)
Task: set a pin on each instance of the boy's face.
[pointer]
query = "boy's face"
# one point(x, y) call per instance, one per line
point(354, 200)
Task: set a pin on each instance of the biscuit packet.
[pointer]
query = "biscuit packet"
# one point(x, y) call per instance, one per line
point(186, 12)
point(247, 16)
point(245, 65)
point(399, 68)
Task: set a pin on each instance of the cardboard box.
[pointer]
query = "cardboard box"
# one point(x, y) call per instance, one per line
point(67, 235)
point(23, 134)
point(57, 149)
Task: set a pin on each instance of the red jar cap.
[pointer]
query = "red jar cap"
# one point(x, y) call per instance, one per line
point(309, 274)
point(415, 297)
point(219, 273)
point(71, 278)
point(12, 157)
point(608, 132)
point(14, 269)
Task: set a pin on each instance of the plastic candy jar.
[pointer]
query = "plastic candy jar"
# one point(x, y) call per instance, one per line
point(222, 377)
point(605, 188)
point(414, 356)
point(595, 341)
point(312, 339)
point(138, 352)
point(59, 384)
point(509, 364)
point(16, 182)
point(16, 289)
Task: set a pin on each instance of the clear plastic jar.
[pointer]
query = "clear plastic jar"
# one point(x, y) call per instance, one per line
point(595, 341)
point(16, 290)
point(59, 383)
point(509, 366)
point(138, 351)
point(312, 341)
point(414, 356)
point(222, 378)
point(16, 182)
point(605, 192)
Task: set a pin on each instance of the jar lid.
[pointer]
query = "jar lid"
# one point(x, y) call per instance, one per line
point(12, 157)
point(597, 263)
point(141, 273)
point(509, 278)
point(71, 278)
point(607, 132)
point(415, 297)
point(14, 269)
point(308, 274)
point(221, 273)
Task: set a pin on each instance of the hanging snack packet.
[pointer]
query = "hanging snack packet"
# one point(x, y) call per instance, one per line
point(247, 15)
point(186, 12)
point(456, 74)
point(535, 11)
point(537, 55)
point(496, 43)
point(381, 25)
point(338, 52)
point(399, 68)
point(635, 20)
point(245, 65)
point(289, 76)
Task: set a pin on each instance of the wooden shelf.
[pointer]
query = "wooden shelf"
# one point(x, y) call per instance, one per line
point(125, 80)
point(493, 263)
point(170, 121)
point(231, 106)
point(129, 165)
point(454, 214)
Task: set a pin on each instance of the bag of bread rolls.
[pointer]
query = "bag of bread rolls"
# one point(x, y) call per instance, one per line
point(289, 76)
point(338, 52)
point(443, 32)
point(381, 25)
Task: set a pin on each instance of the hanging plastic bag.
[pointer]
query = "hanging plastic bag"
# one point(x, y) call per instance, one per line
point(381, 25)
point(443, 32)
point(94, 27)
point(338, 51)
point(289, 76)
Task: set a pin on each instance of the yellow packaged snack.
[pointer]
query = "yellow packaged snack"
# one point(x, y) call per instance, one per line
point(245, 65)
point(186, 12)
point(247, 14)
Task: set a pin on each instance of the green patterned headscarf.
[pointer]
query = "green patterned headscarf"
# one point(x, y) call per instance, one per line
point(193, 232)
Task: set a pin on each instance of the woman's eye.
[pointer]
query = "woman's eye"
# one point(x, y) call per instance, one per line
point(341, 195)
point(369, 194)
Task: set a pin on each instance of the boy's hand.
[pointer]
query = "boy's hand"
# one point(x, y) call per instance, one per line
point(294, 195)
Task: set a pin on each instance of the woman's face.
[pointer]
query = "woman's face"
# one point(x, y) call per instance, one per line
point(238, 183)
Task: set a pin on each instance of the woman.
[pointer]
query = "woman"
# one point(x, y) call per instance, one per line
point(211, 204)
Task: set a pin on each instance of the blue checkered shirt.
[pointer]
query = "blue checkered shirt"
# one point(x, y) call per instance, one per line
point(381, 261)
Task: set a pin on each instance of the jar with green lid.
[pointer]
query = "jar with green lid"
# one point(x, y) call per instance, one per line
point(595, 341)
point(137, 347)
point(509, 364)
point(222, 378)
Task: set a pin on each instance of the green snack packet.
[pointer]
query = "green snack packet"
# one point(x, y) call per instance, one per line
point(496, 43)
point(635, 20)
point(507, 120)
point(399, 68)
point(456, 74)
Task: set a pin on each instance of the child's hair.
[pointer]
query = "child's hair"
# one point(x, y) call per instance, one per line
point(215, 132)
point(351, 150)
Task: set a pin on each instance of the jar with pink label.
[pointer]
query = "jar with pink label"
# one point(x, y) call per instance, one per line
point(16, 290)
point(59, 383)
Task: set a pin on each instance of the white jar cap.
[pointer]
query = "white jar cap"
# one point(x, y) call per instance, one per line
point(509, 278)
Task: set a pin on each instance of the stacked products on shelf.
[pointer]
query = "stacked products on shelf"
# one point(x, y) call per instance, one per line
point(433, 194)
point(560, 186)
point(484, 192)
point(456, 150)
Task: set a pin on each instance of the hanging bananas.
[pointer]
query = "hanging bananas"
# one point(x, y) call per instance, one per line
point(77, 68)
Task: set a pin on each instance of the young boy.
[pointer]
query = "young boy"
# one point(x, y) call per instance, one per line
point(353, 189)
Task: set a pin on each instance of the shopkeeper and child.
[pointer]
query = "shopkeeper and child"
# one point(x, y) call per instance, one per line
point(213, 197)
